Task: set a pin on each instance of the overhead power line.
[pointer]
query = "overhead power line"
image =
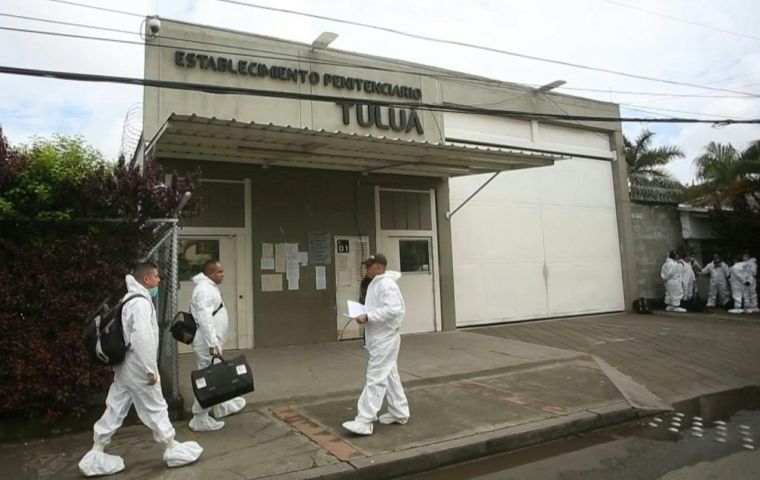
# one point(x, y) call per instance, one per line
point(682, 20)
point(216, 89)
point(477, 47)
point(68, 24)
point(284, 56)
point(103, 9)
point(459, 79)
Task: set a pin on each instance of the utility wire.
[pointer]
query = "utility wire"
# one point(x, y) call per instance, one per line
point(215, 89)
point(474, 46)
point(633, 105)
point(682, 20)
point(473, 80)
point(458, 77)
point(112, 10)
point(294, 57)
point(69, 24)
point(461, 78)
point(503, 101)
point(409, 69)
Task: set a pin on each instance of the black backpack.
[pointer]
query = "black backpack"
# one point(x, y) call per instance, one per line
point(104, 334)
point(184, 326)
point(641, 305)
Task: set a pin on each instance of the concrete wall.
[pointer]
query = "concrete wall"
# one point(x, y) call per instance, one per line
point(656, 230)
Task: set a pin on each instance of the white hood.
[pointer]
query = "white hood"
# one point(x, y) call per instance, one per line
point(393, 275)
point(201, 278)
point(133, 286)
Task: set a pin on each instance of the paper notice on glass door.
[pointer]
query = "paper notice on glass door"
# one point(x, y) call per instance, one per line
point(321, 278)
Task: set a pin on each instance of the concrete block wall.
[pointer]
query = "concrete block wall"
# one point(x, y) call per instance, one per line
point(656, 230)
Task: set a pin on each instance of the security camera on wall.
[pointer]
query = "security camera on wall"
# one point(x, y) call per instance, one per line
point(154, 25)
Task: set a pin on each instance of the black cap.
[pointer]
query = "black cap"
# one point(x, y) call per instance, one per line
point(376, 258)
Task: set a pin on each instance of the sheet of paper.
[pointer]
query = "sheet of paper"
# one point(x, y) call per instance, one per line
point(267, 263)
point(292, 284)
point(271, 282)
point(293, 269)
point(267, 250)
point(303, 258)
point(320, 248)
point(321, 278)
point(280, 258)
point(355, 309)
point(291, 250)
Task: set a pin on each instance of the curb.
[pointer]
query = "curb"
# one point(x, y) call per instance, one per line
point(430, 457)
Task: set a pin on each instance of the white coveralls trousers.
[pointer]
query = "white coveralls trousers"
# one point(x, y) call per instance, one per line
point(383, 381)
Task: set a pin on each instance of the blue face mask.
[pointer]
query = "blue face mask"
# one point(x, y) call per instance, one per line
point(153, 292)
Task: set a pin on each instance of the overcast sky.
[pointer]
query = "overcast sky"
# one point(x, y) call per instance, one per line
point(722, 53)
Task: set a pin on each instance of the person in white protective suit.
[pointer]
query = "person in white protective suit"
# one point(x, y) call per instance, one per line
point(750, 292)
point(382, 323)
point(688, 279)
point(671, 276)
point(210, 314)
point(718, 271)
point(739, 279)
point(136, 381)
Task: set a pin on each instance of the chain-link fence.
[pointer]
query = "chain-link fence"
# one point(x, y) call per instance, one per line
point(163, 252)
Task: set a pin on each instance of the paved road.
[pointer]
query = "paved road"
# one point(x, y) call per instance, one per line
point(630, 452)
point(676, 357)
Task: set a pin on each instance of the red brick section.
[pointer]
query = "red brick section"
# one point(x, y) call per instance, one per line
point(317, 433)
point(509, 397)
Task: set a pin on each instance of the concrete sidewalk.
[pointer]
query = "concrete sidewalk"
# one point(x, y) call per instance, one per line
point(472, 393)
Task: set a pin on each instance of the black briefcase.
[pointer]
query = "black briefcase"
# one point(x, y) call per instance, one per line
point(222, 381)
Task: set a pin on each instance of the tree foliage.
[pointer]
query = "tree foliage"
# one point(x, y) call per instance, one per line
point(647, 178)
point(646, 162)
point(730, 187)
point(728, 177)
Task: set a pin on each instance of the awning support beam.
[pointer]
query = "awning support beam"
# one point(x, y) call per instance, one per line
point(451, 214)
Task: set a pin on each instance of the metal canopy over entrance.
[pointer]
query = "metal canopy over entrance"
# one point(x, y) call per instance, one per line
point(210, 139)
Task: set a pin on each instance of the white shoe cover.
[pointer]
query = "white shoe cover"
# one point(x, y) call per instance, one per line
point(387, 419)
point(204, 423)
point(670, 308)
point(95, 463)
point(358, 428)
point(229, 407)
point(179, 454)
point(679, 310)
point(736, 310)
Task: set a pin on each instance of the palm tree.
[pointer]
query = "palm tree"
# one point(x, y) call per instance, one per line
point(647, 180)
point(728, 177)
point(646, 162)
